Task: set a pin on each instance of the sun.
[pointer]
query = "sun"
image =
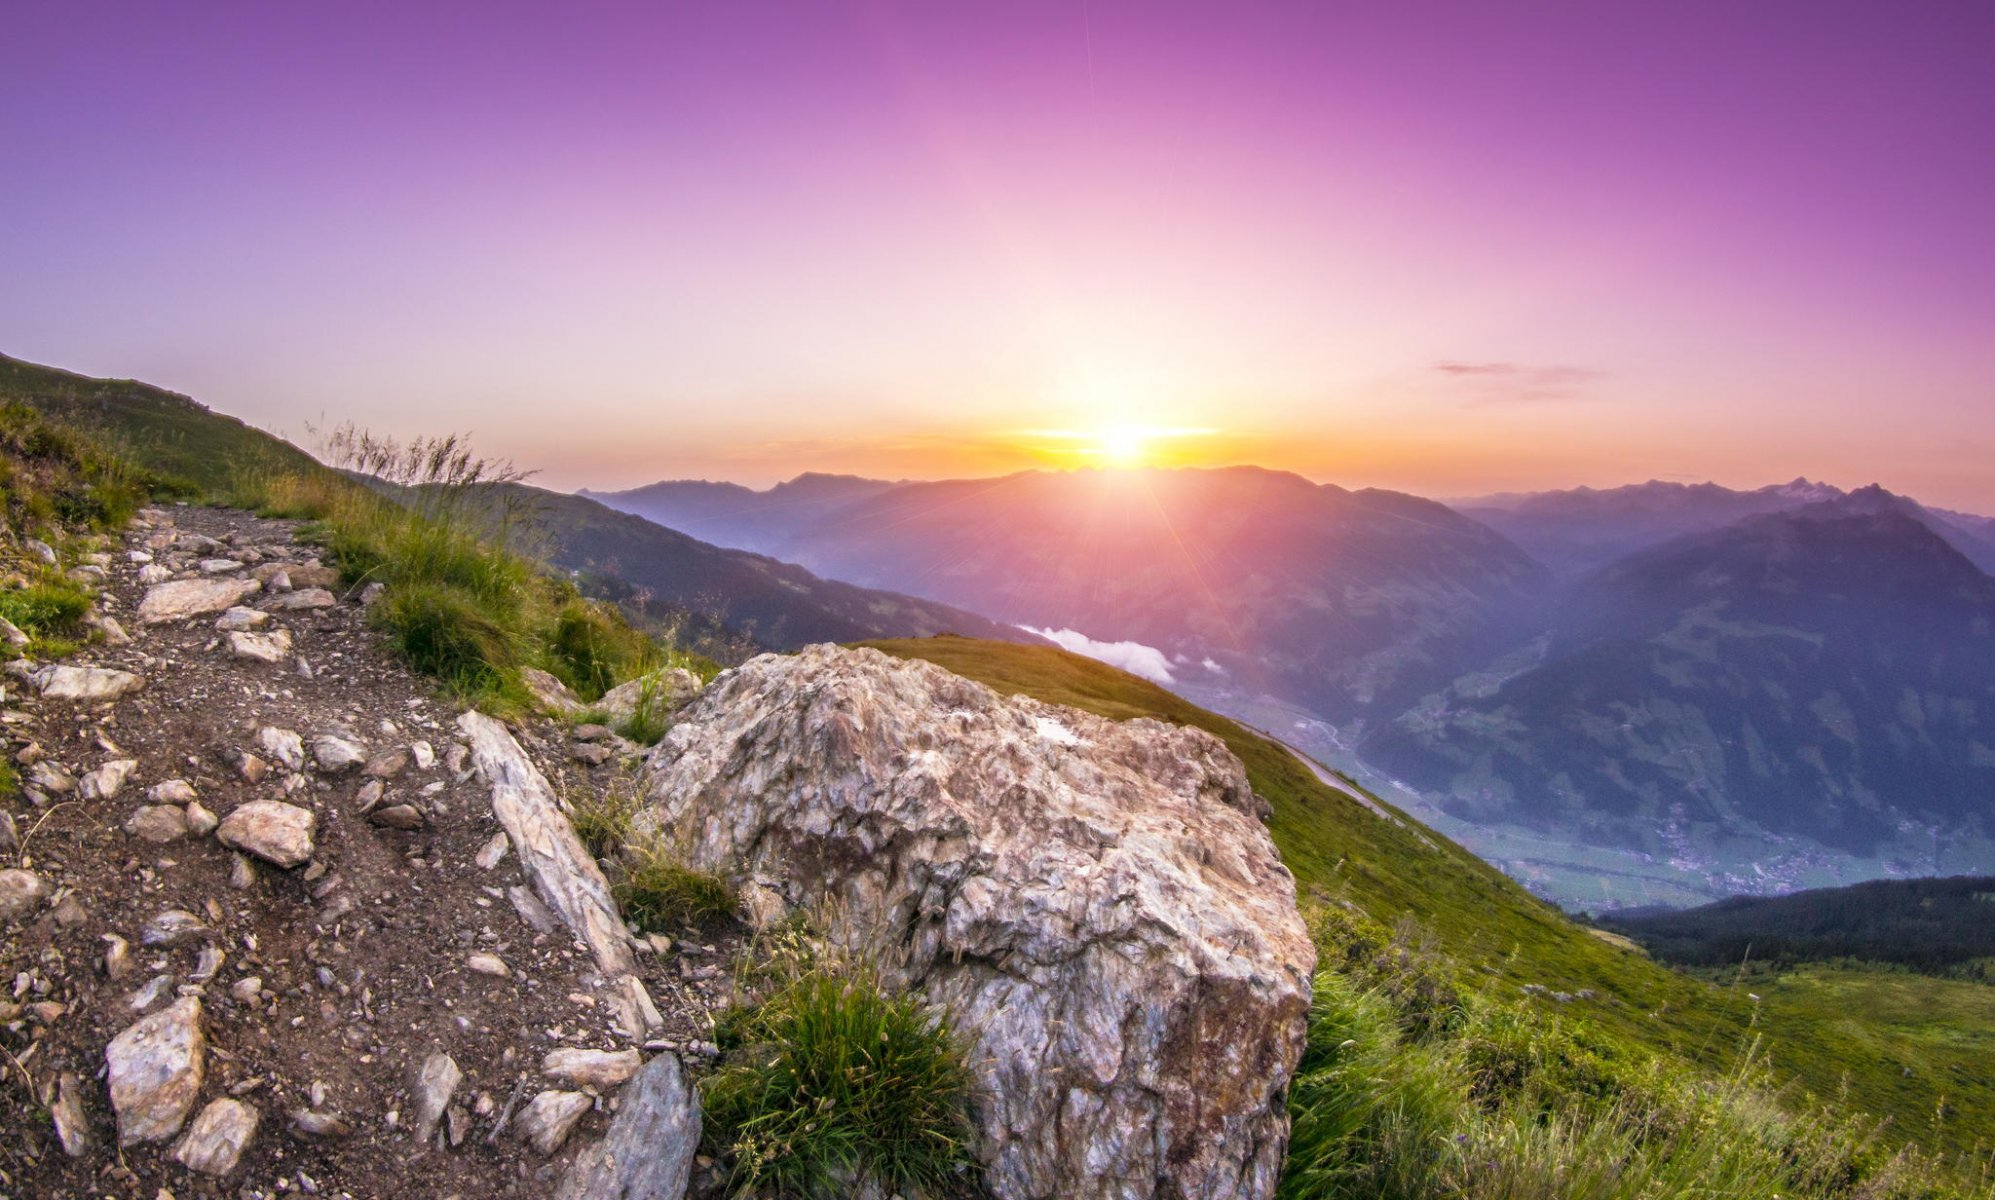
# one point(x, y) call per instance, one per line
point(1122, 445)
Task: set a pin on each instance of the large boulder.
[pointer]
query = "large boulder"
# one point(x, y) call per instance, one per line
point(185, 598)
point(1093, 901)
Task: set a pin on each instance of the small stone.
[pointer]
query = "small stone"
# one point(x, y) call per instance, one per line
point(369, 597)
point(200, 822)
point(242, 876)
point(594, 754)
point(174, 927)
point(172, 791)
point(12, 634)
point(313, 575)
point(249, 766)
point(41, 550)
point(591, 733)
point(86, 684)
point(492, 851)
point(272, 830)
point(10, 836)
point(301, 600)
point(158, 823)
point(72, 1128)
point(424, 754)
point(434, 1085)
point(155, 991)
point(488, 964)
point(156, 1067)
point(336, 755)
point(398, 816)
point(106, 781)
point(319, 1124)
point(219, 566)
point(114, 633)
point(552, 694)
point(599, 1069)
point(241, 620)
point(272, 647)
point(457, 760)
point(215, 1141)
point(52, 777)
point(388, 765)
point(247, 989)
point(184, 598)
point(369, 795)
point(117, 956)
point(549, 1118)
point(153, 573)
point(212, 958)
point(284, 745)
point(21, 892)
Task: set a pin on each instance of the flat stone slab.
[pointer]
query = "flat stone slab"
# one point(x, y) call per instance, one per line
point(184, 598)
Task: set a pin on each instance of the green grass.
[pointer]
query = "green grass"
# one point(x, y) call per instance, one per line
point(830, 1080)
point(657, 891)
point(1437, 933)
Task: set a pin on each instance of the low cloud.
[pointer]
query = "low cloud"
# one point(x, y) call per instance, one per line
point(1519, 383)
point(1133, 657)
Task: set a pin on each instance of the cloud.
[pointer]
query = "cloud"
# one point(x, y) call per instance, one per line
point(1133, 657)
point(1515, 383)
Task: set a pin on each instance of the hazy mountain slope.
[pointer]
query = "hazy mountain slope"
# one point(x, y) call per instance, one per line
point(1825, 676)
point(662, 573)
point(776, 604)
point(1350, 600)
point(1578, 529)
point(728, 514)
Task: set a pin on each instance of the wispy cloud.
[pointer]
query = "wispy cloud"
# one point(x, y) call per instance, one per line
point(1519, 383)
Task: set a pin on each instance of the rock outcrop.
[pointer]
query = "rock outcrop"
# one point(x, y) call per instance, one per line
point(1094, 902)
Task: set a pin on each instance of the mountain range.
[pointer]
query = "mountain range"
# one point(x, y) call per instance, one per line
point(1744, 690)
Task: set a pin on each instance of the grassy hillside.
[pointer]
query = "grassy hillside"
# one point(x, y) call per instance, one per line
point(1501, 940)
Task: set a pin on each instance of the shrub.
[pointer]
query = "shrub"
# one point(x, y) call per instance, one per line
point(49, 606)
point(830, 1081)
point(591, 650)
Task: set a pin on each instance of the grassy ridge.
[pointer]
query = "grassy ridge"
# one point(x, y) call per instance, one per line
point(1500, 941)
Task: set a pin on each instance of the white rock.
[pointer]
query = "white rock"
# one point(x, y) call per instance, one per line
point(171, 791)
point(599, 1069)
point(156, 1067)
point(184, 598)
point(86, 683)
point(153, 573)
point(173, 927)
point(648, 1152)
point(21, 893)
point(436, 1081)
point(492, 851)
point(1107, 921)
point(424, 754)
point(302, 600)
point(106, 781)
point(272, 830)
point(552, 694)
point(272, 647)
point(336, 755)
point(72, 1128)
point(660, 692)
point(219, 566)
point(201, 822)
point(549, 1118)
point(158, 823)
point(241, 620)
point(215, 1141)
point(52, 777)
point(12, 634)
point(488, 964)
point(114, 634)
point(284, 745)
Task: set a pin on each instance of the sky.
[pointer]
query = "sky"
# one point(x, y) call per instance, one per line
point(1451, 248)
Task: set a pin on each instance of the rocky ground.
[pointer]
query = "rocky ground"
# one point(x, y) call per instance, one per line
point(262, 932)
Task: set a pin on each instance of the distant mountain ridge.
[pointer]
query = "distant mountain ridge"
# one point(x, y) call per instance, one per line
point(1354, 600)
point(1576, 529)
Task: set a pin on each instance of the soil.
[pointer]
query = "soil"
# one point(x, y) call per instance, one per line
point(361, 952)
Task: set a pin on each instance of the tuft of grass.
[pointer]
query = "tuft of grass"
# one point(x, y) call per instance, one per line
point(830, 1081)
point(444, 632)
point(602, 819)
point(658, 891)
point(650, 718)
point(49, 606)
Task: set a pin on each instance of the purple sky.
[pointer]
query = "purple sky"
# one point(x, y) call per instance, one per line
point(1444, 247)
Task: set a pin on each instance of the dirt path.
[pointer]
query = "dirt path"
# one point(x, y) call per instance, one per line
point(360, 955)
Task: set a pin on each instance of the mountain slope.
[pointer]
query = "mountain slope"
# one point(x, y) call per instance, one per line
point(1817, 679)
point(728, 514)
point(659, 572)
